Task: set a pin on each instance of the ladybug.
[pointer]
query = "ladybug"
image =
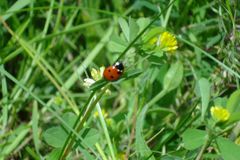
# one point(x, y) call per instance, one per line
point(114, 72)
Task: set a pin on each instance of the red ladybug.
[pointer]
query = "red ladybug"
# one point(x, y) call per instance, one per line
point(114, 72)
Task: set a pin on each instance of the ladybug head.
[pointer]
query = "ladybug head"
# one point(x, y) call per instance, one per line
point(119, 66)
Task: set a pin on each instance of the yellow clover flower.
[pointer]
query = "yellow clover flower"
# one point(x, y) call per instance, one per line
point(121, 156)
point(166, 41)
point(237, 141)
point(58, 100)
point(105, 114)
point(109, 121)
point(220, 114)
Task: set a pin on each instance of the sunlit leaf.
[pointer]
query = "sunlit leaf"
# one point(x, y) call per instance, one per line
point(194, 138)
point(228, 149)
point(152, 33)
point(142, 22)
point(54, 155)
point(133, 29)
point(125, 28)
point(233, 104)
point(90, 136)
point(15, 7)
point(55, 136)
point(203, 90)
point(173, 77)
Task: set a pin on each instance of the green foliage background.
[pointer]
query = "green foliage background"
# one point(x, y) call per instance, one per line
point(160, 107)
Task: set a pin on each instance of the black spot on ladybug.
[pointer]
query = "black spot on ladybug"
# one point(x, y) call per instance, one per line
point(109, 70)
point(112, 77)
point(119, 72)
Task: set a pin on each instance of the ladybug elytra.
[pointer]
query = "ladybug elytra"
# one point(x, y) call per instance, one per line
point(114, 72)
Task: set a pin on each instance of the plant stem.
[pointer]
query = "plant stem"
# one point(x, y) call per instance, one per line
point(156, 98)
point(105, 130)
point(200, 154)
point(32, 54)
point(104, 157)
point(221, 64)
point(206, 144)
point(81, 119)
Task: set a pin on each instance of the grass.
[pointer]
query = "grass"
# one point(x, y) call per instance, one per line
point(160, 108)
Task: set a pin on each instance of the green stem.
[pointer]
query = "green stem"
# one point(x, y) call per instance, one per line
point(46, 105)
point(87, 110)
point(104, 157)
point(31, 53)
point(224, 66)
point(206, 144)
point(156, 98)
point(200, 154)
point(89, 59)
point(59, 15)
point(165, 22)
point(104, 126)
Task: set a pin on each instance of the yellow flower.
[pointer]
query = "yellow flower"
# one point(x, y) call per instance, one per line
point(96, 114)
point(58, 100)
point(109, 121)
point(166, 41)
point(220, 114)
point(237, 141)
point(121, 156)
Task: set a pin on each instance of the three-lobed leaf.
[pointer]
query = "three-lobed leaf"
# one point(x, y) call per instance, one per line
point(117, 44)
point(125, 28)
point(133, 29)
point(130, 29)
point(142, 23)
